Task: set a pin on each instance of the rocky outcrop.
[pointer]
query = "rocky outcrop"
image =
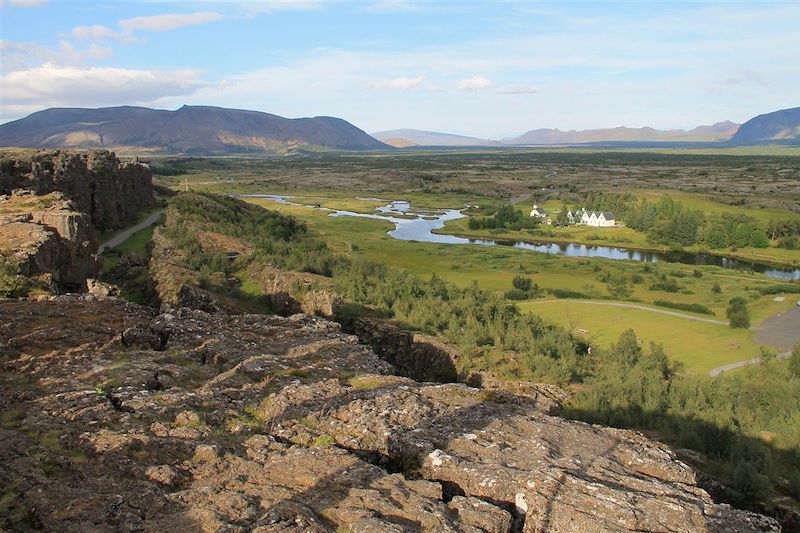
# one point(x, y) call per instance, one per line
point(116, 419)
point(47, 238)
point(415, 355)
point(111, 192)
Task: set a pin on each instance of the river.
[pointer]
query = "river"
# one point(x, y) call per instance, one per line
point(420, 228)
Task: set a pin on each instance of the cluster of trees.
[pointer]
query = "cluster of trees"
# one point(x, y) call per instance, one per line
point(506, 217)
point(625, 386)
point(669, 222)
point(724, 418)
point(787, 232)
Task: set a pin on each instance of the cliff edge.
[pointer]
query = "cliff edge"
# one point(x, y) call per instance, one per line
point(118, 419)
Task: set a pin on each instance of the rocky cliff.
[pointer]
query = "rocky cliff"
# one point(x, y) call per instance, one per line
point(116, 419)
point(111, 192)
point(47, 239)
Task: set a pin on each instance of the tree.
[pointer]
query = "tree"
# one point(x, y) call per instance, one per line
point(627, 350)
point(737, 313)
point(759, 239)
point(562, 219)
point(716, 237)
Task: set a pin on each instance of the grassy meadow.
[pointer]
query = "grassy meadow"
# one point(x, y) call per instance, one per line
point(761, 184)
point(697, 346)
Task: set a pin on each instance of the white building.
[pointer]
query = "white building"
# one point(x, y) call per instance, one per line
point(538, 212)
point(598, 219)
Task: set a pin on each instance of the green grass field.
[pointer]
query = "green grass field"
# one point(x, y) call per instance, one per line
point(494, 268)
point(696, 346)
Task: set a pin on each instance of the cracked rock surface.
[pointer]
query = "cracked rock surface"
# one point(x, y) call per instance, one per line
point(117, 419)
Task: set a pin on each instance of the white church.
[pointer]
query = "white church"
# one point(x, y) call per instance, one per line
point(597, 219)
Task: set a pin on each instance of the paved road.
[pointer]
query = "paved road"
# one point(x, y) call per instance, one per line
point(781, 330)
point(644, 308)
point(126, 234)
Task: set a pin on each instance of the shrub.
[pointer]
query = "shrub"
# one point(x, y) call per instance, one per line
point(522, 283)
point(780, 289)
point(567, 293)
point(694, 308)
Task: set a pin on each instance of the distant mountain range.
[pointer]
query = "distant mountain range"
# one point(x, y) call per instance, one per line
point(188, 130)
point(206, 130)
point(721, 131)
point(407, 137)
point(777, 127)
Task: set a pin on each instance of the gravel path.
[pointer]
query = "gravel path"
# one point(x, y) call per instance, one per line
point(644, 308)
point(714, 372)
point(126, 234)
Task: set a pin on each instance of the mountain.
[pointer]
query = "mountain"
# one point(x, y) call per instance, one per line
point(721, 131)
point(783, 126)
point(190, 130)
point(406, 137)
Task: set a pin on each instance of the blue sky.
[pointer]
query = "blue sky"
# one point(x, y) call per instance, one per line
point(488, 69)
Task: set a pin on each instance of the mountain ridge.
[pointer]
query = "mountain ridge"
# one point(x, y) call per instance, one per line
point(413, 137)
point(782, 125)
point(407, 137)
point(188, 129)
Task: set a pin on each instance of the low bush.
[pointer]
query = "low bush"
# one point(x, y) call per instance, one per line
point(693, 308)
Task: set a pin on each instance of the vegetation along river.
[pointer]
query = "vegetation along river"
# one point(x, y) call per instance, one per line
point(418, 225)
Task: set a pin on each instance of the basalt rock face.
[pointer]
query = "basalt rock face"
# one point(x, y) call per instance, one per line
point(47, 238)
point(118, 419)
point(111, 192)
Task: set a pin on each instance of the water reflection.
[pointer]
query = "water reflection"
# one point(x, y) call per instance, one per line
point(424, 222)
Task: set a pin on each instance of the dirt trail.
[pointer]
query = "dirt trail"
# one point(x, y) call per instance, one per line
point(126, 234)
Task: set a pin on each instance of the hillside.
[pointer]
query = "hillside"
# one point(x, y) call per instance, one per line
point(410, 137)
point(783, 125)
point(189, 130)
point(720, 131)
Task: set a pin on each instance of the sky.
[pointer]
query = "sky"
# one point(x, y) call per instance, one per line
point(485, 69)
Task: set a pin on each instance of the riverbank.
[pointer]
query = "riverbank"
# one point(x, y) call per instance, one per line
point(624, 239)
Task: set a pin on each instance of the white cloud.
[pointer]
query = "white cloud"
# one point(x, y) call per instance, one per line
point(52, 86)
point(168, 21)
point(267, 6)
point(21, 56)
point(97, 31)
point(24, 3)
point(475, 83)
point(398, 84)
point(391, 6)
point(516, 89)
